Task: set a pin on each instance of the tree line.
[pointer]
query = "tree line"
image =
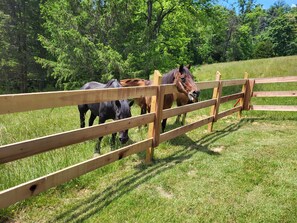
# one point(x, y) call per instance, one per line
point(64, 43)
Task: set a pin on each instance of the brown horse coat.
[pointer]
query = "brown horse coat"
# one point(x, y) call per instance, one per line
point(188, 91)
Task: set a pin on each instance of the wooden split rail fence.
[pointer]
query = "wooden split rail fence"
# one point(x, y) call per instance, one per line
point(34, 101)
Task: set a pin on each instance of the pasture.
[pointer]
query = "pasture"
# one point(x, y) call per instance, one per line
point(244, 171)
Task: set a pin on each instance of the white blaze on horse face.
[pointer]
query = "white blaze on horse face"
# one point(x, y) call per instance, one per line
point(191, 98)
point(180, 87)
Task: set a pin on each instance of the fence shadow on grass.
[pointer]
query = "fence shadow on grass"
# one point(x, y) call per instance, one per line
point(208, 139)
point(95, 203)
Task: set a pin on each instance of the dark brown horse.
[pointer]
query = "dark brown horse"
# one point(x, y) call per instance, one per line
point(188, 91)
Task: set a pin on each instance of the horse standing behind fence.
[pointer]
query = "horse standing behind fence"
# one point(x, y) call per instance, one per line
point(143, 102)
point(188, 91)
point(117, 109)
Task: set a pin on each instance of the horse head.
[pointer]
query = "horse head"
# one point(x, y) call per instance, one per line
point(184, 81)
point(122, 110)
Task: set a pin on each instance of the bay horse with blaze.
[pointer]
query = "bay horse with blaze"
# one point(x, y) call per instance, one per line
point(188, 91)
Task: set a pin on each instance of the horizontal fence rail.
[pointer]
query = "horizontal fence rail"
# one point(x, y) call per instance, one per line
point(271, 94)
point(27, 148)
point(268, 80)
point(28, 102)
point(273, 108)
point(275, 94)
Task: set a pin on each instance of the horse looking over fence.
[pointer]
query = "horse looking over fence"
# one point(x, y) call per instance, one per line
point(117, 109)
point(188, 91)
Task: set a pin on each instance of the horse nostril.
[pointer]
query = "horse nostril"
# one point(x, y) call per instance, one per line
point(196, 93)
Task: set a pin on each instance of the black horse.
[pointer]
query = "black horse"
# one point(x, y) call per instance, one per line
point(115, 110)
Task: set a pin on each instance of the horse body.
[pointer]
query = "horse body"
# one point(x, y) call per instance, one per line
point(143, 102)
point(188, 91)
point(105, 110)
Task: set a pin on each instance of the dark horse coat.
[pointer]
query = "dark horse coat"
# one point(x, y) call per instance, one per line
point(115, 110)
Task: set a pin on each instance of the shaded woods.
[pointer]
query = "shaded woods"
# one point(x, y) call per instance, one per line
point(61, 44)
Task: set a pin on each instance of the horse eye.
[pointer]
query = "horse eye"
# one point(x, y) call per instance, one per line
point(183, 79)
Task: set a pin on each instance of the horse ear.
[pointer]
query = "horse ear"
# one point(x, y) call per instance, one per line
point(189, 66)
point(118, 103)
point(181, 68)
point(131, 103)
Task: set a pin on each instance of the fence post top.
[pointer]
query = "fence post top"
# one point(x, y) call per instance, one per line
point(218, 75)
point(157, 78)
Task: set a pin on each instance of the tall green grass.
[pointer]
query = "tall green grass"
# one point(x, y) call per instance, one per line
point(272, 67)
point(245, 171)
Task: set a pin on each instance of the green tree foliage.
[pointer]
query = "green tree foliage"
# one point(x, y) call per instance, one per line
point(75, 41)
point(282, 33)
point(72, 41)
point(19, 26)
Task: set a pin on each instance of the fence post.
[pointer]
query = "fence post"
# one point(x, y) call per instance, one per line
point(156, 107)
point(248, 94)
point(217, 93)
point(244, 91)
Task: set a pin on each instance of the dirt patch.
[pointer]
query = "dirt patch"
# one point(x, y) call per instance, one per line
point(164, 193)
point(218, 149)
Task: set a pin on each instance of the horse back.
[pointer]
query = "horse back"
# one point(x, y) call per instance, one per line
point(134, 82)
point(92, 85)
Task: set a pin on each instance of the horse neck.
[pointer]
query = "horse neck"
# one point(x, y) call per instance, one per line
point(169, 77)
point(113, 83)
point(92, 85)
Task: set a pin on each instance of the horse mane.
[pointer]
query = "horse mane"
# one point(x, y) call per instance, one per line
point(186, 71)
point(113, 83)
point(168, 78)
point(92, 85)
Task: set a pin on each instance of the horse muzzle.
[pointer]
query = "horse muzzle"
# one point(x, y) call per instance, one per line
point(193, 96)
point(123, 140)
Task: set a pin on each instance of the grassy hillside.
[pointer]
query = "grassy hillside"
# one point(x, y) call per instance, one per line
point(272, 67)
point(244, 171)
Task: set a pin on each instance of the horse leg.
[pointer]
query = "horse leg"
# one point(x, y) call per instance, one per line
point(177, 120)
point(82, 119)
point(92, 119)
point(143, 110)
point(184, 119)
point(180, 101)
point(97, 150)
point(98, 145)
point(112, 141)
point(82, 112)
point(164, 124)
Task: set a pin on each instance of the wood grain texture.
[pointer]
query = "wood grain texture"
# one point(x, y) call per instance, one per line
point(35, 146)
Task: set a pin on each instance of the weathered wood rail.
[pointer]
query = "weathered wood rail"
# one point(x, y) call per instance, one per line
point(28, 102)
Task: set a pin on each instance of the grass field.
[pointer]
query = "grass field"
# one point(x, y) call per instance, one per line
point(244, 171)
